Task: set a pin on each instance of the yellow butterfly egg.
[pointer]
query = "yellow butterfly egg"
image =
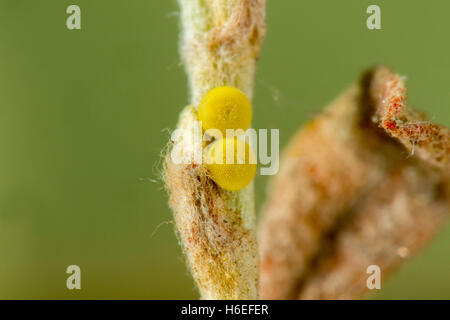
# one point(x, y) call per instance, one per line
point(231, 163)
point(225, 108)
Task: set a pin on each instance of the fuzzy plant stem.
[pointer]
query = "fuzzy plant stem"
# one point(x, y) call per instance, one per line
point(220, 43)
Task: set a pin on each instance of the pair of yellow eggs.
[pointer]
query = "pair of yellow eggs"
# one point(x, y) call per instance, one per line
point(230, 161)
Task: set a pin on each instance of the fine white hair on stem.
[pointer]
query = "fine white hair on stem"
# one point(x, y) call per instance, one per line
point(220, 42)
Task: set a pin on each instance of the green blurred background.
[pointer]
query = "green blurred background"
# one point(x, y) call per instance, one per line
point(85, 114)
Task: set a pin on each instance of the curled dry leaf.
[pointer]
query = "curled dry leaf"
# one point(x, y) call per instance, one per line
point(363, 183)
point(220, 43)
